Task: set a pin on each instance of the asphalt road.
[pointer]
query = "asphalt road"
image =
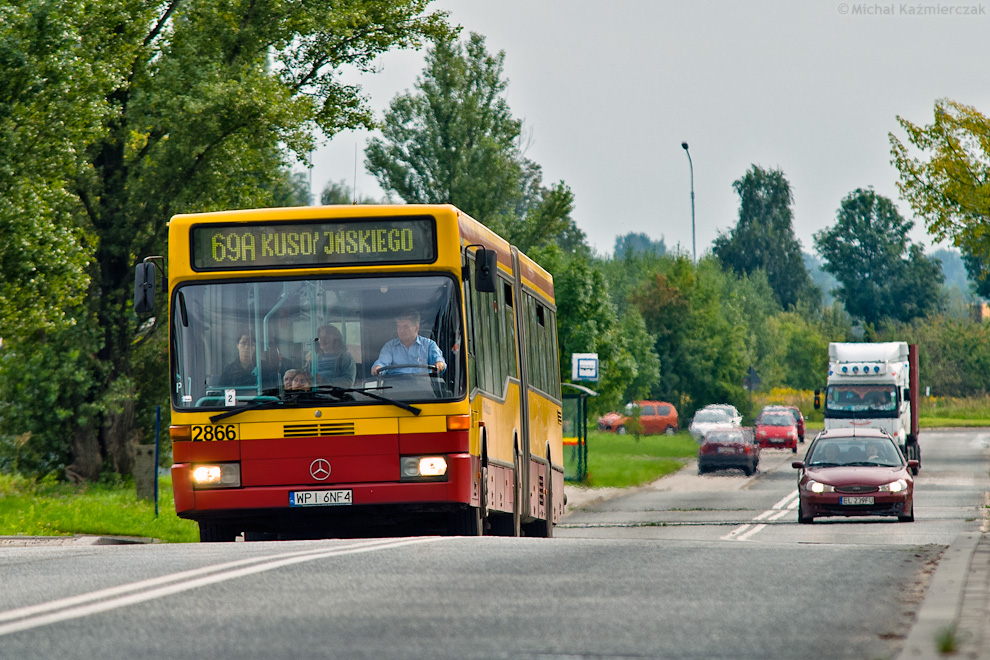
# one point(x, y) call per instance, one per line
point(690, 567)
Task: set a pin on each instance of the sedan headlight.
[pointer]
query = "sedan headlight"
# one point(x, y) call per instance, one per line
point(898, 486)
point(819, 487)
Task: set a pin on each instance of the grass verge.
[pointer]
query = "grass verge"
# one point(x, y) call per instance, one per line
point(622, 461)
point(49, 508)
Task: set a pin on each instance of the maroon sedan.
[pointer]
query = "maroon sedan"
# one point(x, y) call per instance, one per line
point(855, 472)
point(729, 448)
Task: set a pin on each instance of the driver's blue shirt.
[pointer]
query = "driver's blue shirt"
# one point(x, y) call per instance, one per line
point(423, 351)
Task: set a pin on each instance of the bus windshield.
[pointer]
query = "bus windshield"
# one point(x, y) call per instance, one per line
point(851, 400)
point(315, 341)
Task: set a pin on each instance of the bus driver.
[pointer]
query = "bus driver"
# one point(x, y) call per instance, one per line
point(409, 347)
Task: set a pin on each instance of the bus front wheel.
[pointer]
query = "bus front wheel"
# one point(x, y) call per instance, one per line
point(216, 532)
point(466, 521)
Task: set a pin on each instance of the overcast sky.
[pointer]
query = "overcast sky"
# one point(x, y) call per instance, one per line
point(608, 90)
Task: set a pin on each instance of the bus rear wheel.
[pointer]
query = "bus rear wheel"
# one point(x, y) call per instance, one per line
point(544, 528)
point(508, 524)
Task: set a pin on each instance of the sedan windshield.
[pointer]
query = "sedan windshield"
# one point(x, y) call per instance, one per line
point(711, 417)
point(315, 342)
point(833, 452)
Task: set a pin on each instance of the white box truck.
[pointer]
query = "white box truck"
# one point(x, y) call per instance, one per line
point(874, 385)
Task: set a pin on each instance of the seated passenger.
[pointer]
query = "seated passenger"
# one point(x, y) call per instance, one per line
point(287, 378)
point(302, 380)
point(335, 365)
point(241, 372)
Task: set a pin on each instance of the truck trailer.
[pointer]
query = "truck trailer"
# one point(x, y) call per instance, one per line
point(874, 385)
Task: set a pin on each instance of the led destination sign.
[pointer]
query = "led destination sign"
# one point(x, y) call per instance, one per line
point(330, 243)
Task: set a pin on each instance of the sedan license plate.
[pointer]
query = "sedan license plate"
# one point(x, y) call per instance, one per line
point(320, 498)
point(727, 450)
point(856, 500)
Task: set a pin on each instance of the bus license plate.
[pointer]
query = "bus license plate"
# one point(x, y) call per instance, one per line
point(320, 498)
point(856, 500)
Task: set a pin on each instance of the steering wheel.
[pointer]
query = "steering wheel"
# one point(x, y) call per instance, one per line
point(389, 371)
point(429, 368)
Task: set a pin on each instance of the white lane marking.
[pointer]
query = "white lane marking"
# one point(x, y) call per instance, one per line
point(732, 536)
point(153, 582)
point(76, 607)
point(750, 532)
point(776, 512)
point(780, 514)
point(784, 502)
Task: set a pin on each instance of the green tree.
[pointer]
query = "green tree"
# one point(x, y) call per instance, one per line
point(197, 106)
point(338, 192)
point(638, 242)
point(801, 345)
point(954, 353)
point(696, 316)
point(49, 111)
point(950, 186)
point(547, 222)
point(764, 237)
point(661, 299)
point(454, 140)
point(881, 273)
point(587, 323)
point(716, 355)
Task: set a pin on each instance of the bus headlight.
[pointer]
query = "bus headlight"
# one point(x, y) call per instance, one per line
point(220, 475)
point(417, 468)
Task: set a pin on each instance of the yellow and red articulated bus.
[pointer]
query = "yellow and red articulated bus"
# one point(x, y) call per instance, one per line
point(355, 370)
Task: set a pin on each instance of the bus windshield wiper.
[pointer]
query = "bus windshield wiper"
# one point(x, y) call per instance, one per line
point(322, 392)
point(260, 405)
point(340, 392)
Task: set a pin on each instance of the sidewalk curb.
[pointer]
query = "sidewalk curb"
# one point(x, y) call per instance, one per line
point(940, 609)
point(36, 541)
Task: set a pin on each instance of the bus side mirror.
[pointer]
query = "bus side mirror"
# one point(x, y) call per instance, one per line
point(818, 399)
point(907, 394)
point(144, 288)
point(485, 267)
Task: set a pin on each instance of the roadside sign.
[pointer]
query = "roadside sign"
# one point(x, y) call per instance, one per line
point(584, 366)
point(751, 381)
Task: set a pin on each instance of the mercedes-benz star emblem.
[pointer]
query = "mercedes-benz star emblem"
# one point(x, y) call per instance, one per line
point(320, 469)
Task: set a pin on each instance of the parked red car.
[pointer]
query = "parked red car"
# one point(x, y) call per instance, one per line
point(855, 472)
point(798, 417)
point(729, 448)
point(777, 429)
point(654, 416)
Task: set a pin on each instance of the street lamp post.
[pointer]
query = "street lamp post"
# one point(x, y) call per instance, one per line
point(694, 249)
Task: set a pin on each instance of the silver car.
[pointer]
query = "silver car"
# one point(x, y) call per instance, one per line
point(709, 419)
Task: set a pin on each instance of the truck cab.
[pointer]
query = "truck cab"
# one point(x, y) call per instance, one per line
point(872, 385)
